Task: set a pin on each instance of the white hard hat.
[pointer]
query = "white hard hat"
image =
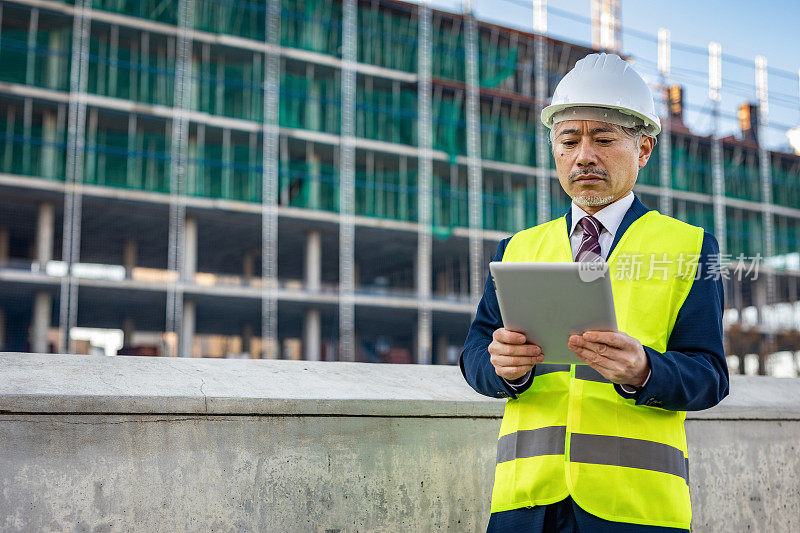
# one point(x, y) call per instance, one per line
point(605, 80)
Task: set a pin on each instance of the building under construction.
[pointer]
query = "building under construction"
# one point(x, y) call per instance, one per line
point(330, 175)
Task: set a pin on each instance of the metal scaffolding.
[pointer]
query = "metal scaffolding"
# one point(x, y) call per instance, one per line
point(540, 91)
point(765, 169)
point(269, 183)
point(71, 245)
point(474, 171)
point(347, 349)
point(665, 161)
point(424, 244)
point(717, 166)
point(176, 258)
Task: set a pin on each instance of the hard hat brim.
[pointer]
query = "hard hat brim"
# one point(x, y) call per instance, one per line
point(652, 126)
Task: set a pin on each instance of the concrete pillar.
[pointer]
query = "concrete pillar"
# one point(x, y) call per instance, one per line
point(249, 266)
point(312, 335)
point(129, 256)
point(190, 257)
point(4, 244)
point(186, 342)
point(247, 338)
point(49, 137)
point(760, 297)
point(45, 227)
point(128, 329)
point(42, 307)
point(313, 267)
point(441, 349)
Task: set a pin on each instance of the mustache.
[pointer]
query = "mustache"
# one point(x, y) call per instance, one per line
point(596, 171)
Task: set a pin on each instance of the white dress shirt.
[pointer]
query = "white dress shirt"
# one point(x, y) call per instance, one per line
point(610, 217)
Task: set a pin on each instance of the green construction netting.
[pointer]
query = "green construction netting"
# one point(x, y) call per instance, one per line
point(241, 18)
point(115, 159)
point(787, 235)
point(449, 123)
point(447, 52)
point(165, 11)
point(508, 133)
point(314, 25)
point(386, 194)
point(507, 208)
point(742, 178)
point(691, 168)
point(310, 104)
point(232, 172)
point(45, 62)
point(228, 86)
point(496, 62)
point(386, 114)
point(651, 173)
point(312, 186)
point(127, 72)
point(786, 181)
point(36, 152)
point(745, 232)
point(386, 38)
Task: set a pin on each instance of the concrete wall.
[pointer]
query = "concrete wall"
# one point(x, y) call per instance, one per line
point(125, 443)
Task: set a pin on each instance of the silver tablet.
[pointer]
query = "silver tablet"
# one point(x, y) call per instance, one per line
point(548, 302)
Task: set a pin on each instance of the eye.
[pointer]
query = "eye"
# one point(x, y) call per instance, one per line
point(569, 144)
point(605, 142)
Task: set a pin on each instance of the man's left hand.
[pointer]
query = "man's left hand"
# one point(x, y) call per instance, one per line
point(617, 356)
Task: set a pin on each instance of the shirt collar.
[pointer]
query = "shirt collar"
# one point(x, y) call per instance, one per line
point(610, 216)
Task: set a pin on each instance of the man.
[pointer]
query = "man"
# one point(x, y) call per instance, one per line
point(601, 447)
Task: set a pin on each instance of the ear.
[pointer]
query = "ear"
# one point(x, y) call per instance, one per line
point(645, 149)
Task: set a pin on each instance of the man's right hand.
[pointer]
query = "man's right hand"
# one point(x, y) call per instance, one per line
point(511, 357)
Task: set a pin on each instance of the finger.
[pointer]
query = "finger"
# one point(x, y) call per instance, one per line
point(499, 348)
point(612, 338)
point(580, 340)
point(507, 336)
point(510, 361)
point(601, 349)
point(592, 358)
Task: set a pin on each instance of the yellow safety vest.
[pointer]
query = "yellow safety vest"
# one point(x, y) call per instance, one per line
point(570, 433)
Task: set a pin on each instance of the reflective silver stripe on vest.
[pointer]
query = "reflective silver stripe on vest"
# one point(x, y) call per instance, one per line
point(547, 368)
point(584, 372)
point(632, 453)
point(531, 443)
point(587, 373)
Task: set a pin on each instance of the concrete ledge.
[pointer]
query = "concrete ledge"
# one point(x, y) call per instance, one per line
point(141, 444)
point(45, 383)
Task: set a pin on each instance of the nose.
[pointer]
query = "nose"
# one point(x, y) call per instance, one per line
point(586, 156)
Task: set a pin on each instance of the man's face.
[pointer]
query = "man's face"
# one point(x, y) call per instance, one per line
point(596, 162)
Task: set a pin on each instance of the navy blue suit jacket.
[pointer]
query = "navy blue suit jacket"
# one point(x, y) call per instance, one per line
point(691, 375)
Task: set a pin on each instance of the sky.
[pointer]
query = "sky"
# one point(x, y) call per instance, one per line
point(743, 28)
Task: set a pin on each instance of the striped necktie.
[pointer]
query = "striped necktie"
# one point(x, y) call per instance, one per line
point(589, 250)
